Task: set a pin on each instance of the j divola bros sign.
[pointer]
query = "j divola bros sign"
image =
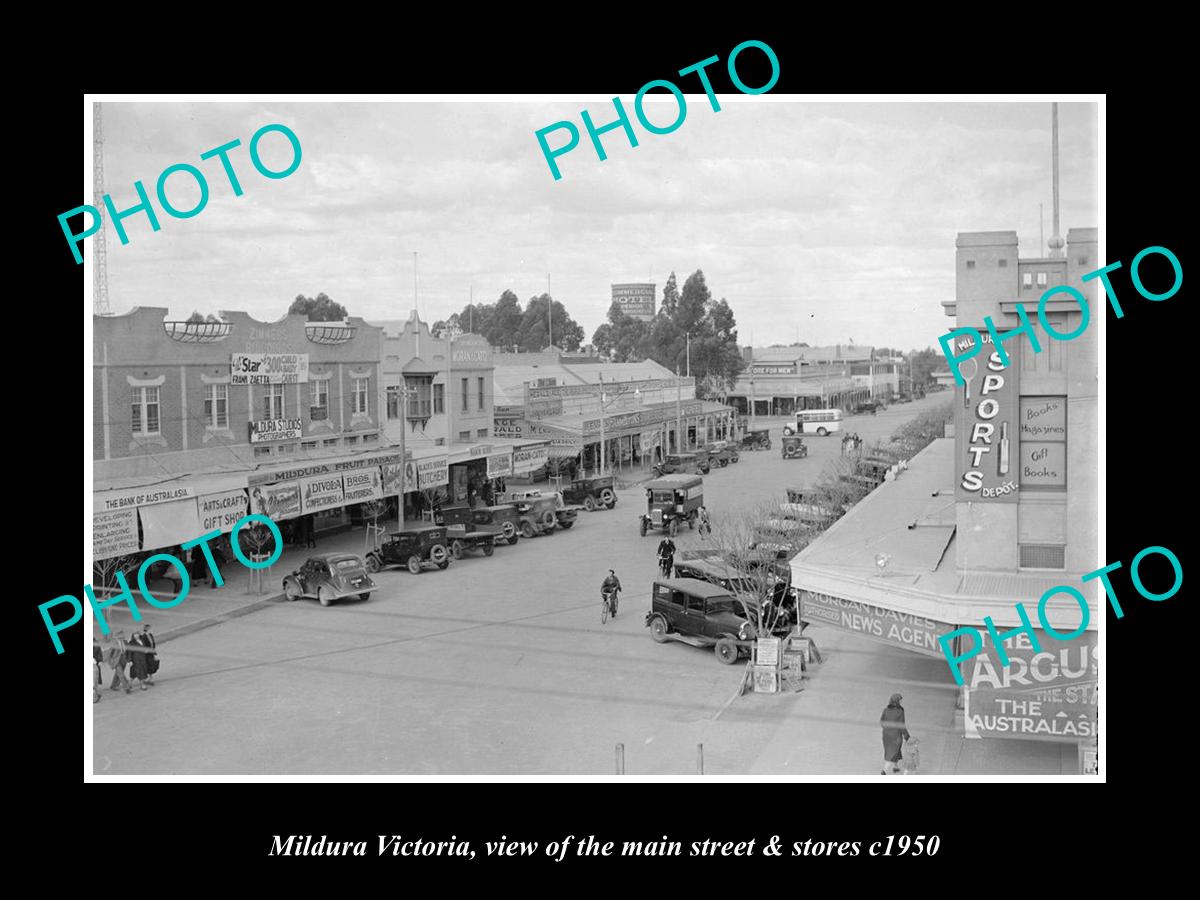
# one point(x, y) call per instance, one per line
point(985, 433)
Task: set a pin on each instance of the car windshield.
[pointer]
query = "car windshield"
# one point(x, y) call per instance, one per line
point(663, 497)
point(345, 564)
point(724, 605)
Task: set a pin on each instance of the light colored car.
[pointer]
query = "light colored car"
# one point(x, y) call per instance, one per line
point(328, 577)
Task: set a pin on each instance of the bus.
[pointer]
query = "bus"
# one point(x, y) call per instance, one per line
point(815, 421)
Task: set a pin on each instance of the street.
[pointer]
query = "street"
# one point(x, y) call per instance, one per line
point(501, 666)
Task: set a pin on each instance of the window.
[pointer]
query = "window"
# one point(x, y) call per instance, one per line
point(273, 402)
point(466, 394)
point(359, 400)
point(319, 400)
point(464, 437)
point(370, 439)
point(1003, 263)
point(216, 406)
point(439, 399)
point(308, 445)
point(1041, 279)
point(1042, 443)
point(393, 401)
point(480, 380)
point(439, 442)
point(970, 263)
point(262, 451)
point(420, 402)
point(331, 442)
point(1083, 260)
point(285, 449)
point(145, 410)
point(481, 433)
point(352, 440)
point(1027, 280)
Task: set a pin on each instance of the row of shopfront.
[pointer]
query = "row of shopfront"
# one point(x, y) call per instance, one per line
point(329, 494)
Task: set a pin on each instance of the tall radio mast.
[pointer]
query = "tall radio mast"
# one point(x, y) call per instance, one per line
point(99, 250)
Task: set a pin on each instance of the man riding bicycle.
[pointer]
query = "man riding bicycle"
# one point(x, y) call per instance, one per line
point(609, 590)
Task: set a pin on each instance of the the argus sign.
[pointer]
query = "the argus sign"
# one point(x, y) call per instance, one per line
point(622, 120)
point(189, 171)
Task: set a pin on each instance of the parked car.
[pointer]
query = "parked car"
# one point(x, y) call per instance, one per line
point(541, 512)
point(329, 577)
point(722, 452)
point(412, 547)
point(700, 614)
point(592, 493)
point(463, 536)
point(757, 439)
point(794, 447)
point(671, 500)
point(868, 406)
point(682, 462)
point(502, 521)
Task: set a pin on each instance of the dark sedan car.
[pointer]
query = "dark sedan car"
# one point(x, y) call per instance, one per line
point(329, 577)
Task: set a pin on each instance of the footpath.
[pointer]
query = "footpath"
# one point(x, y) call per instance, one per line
point(244, 592)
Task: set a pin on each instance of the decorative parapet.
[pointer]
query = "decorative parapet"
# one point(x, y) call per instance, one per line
point(197, 332)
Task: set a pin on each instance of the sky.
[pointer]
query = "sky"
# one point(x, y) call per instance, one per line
point(822, 222)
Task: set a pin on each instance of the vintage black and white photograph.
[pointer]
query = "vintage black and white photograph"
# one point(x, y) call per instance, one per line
point(666, 437)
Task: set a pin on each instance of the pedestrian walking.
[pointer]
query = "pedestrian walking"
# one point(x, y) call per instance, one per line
point(116, 654)
point(705, 524)
point(137, 660)
point(97, 679)
point(666, 556)
point(150, 642)
point(894, 734)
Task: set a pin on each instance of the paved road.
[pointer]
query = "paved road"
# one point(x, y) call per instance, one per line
point(494, 667)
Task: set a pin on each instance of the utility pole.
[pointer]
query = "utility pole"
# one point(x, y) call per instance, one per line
point(549, 311)
point(415, 306)
point(602, 450)
point(678, 413)
point(100, 305)
point(689, 355)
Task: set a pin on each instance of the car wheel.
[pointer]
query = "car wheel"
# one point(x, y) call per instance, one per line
point(510, 532)
point(548, 520)
point(589, 503)
point(822, 431)
point(291, 590)
point(489, 549)
point(789, 430)
point(365, 596)
point(374, 564)
point(727, 651)
point(325, 596)
point(439, 555)
point(527, 530)
point(723, 462)
point(658, 629)
point(567, 523)
point(414, 564)
point(735, 459)
point(512, 540)
point(643, 528)
point(608, 498)
point(456, 549)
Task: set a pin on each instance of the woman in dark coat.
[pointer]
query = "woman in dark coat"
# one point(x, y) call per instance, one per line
point(139, 669)
point(894, 734)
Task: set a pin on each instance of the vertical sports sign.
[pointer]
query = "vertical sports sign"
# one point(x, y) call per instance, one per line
point(986, 443)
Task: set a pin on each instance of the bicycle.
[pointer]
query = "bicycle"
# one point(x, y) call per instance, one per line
point(608, 603)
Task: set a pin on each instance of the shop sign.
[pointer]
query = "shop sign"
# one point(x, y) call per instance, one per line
point(321, 492)
point(1044, 418)
point(527, 459)
point(220, 512)
point(428, 473)
point(276, 501)
point(393, 479)
point(110, 501)
point(887, 626)
point(508, 427)
point(565, 447)
point(362, 486)
point(1044, 695)
point(985, 439)
point(268, 368)
point(500, 465)
point(114, 533)
point(345, 464)
point(482, 449)
point(1043, 465)
point(264, 430)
